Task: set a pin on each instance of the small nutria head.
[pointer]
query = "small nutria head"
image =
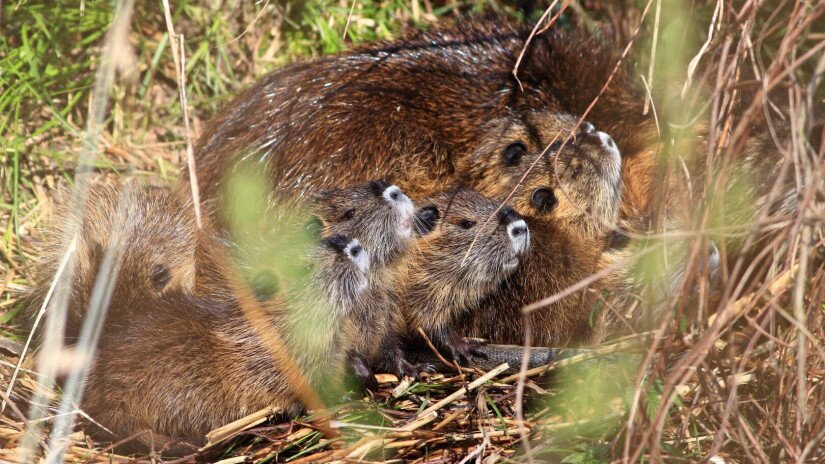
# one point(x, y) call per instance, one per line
point(378, 214)
point(151, 231)
point(474, 246)
point(577, 182)
point(341, 268)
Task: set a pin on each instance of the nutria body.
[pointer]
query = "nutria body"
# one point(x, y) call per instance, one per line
point(182, 360)
point(158, 247)
point(188, 365)
point(412, 109)
point(438, 284)
point(385, 220)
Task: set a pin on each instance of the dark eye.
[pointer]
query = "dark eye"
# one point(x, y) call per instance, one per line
point(513, 153)
point(348, 215)
point(160, 277)
point(466, 224)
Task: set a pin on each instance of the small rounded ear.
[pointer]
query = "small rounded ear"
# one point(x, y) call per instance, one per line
point(265, 285)
point(314, 227)
point(160, 277)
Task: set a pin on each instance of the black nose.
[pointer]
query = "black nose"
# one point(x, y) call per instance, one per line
point(543, 199)
point(425, 219)
point(337, 242)
point(507, 215)
point(378, 186)
point(587, 128)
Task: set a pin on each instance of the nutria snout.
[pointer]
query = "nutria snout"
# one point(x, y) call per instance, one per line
point(426, 219)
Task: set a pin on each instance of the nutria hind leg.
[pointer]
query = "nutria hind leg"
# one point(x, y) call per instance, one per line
point(363, 373)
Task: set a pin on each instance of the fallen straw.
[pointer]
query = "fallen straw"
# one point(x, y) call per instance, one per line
point(244, 423)
point(463, 390)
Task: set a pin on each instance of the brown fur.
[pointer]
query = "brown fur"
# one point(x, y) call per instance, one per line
point(158, 255)
point(412, 109)
point(438, 284)
point(181, 361)
point(583, 179)
point(181, 365)
point(567, 238)
point(371, 335)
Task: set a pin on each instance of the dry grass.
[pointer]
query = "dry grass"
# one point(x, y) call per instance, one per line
point(735, 374)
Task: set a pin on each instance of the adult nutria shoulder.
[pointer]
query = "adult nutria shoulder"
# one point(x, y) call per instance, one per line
point(411, 109)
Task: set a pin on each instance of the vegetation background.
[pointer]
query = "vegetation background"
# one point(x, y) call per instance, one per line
point(740, 406)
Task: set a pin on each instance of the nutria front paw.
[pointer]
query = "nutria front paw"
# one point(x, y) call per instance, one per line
point(463, 351)
point(364, 375)
point(403, 368)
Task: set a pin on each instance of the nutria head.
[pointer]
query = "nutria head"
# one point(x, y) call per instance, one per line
point(473, 247)
point(378, 214)
point(148, 228)
point(577, 182)
point(342, 267)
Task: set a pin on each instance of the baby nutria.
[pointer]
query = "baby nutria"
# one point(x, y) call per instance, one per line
point(443, 275)
point(190, 365)
point(410, 110)
point(158, 256)
point(384, 219)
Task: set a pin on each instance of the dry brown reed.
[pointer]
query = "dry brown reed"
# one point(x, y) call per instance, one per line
point(727, 374)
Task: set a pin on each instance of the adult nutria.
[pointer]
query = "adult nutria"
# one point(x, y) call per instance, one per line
point(410, 110)
point(443, 275)
point(578, 188)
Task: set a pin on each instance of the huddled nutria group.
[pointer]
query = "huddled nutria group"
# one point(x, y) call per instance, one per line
point(450, 195)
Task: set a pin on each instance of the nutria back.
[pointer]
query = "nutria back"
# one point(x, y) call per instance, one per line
point(408, 110)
